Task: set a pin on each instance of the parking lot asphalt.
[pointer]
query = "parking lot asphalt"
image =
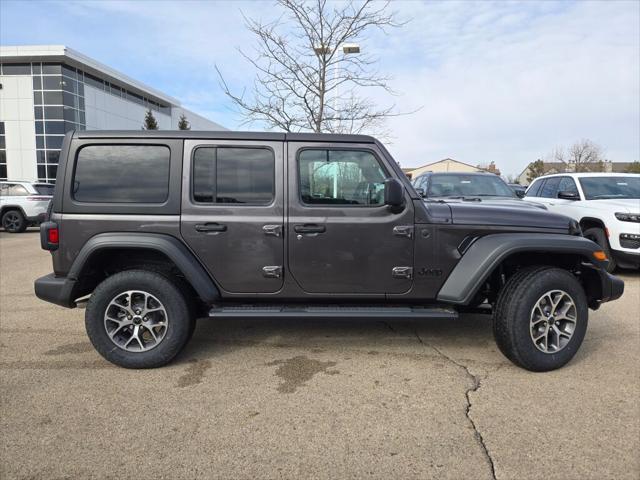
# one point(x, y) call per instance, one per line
point(310, 398)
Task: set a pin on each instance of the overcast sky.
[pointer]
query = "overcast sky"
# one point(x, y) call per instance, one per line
point(496, 81)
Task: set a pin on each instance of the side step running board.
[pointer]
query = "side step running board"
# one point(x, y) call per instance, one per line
point(332, 311)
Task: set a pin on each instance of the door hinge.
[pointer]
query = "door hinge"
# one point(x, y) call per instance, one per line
point(403, 231)
point(272, 271)
point(402, 272)
point(274, 230)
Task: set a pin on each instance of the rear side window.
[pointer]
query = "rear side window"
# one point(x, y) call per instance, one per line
point(44, 189)
point(122, 174)
point(233, 175)
point(534, 189)
point(550, 188)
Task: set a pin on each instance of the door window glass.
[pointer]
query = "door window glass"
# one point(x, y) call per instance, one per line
point(550, 188)
point(340, 177)
point(234, 175)
point(534, 188)
point(14, 190)
point(567, 184)
point(122, 174)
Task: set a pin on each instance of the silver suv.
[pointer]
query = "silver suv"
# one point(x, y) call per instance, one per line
point(23, 204)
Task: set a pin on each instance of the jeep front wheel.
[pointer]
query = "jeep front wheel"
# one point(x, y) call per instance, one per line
point(138, 319)
point(541, 318)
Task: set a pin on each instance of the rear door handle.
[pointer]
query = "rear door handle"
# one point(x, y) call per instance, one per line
point(210, 228)
point(309, 228)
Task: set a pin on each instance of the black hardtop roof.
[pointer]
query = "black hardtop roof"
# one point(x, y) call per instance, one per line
point(227, 135)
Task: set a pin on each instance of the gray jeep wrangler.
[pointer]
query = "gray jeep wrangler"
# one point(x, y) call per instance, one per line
point(159, 228)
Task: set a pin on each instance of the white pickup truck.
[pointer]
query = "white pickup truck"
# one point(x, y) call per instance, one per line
point(607, 205)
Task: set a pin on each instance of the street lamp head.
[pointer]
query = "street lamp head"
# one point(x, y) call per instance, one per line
point(322, 49)
point(350, 48)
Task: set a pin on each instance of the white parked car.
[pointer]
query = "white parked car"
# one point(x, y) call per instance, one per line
point(23, 204)
point(607, 205)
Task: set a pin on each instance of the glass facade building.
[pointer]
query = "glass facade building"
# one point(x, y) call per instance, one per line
point(68, 95)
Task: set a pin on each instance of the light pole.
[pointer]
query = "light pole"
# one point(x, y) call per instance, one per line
point(347, 49)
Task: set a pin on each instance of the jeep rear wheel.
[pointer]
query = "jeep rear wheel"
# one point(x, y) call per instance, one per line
point(541, 318)
point(14, 222)
point(138, 319)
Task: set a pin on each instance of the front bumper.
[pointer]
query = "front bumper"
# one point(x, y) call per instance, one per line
point(612, 287)
point(626, 259)
point(58, 290)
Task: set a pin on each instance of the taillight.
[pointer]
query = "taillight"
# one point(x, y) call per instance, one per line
point(49, 236)
point(52, 233)
point(38, 199)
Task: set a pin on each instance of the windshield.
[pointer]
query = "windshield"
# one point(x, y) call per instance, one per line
point(601, 188)
point(456, 185)
point(44, 189)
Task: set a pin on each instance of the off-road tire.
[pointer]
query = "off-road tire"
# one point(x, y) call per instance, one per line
point(13, 221)
point(180, 318)
point(511, 319)
point(598, 235)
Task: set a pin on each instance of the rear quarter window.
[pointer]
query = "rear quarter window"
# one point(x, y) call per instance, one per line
point(122, 174)
point(534, 188)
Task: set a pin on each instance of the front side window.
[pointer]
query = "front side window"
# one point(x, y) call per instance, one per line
point(567, 184)
point(122, 174)
point(340, 177)
point(550, 188)
point(233, 175)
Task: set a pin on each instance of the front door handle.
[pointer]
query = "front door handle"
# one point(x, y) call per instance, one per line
point(309, 228)
point(210, 228)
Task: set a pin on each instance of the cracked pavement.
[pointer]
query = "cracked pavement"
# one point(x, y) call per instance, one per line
point(310, 398)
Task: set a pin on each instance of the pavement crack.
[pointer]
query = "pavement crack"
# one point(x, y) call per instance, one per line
point(475, 386)
point(388, 325)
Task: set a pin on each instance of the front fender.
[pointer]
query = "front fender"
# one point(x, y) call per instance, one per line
point(486, 254)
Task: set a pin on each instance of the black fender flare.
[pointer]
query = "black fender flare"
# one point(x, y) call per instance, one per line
point(170, 246)
point(486, 254)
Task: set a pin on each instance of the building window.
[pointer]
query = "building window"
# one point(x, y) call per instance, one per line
point(59, 108)
point(3, 153)
point(122, 174)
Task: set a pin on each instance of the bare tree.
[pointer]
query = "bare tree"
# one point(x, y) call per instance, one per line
point(307, 78)
point(583, 156)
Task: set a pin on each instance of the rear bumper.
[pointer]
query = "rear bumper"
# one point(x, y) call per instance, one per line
point(58, 290)
point(37, 219)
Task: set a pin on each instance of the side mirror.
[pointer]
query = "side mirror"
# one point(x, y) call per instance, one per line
point(420, 191)
point(393, 193)
point(568, 195)
point(520, 193)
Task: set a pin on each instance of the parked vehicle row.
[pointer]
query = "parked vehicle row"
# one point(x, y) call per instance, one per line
point(157, 227)
point(23, 204)
point(607, 206)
